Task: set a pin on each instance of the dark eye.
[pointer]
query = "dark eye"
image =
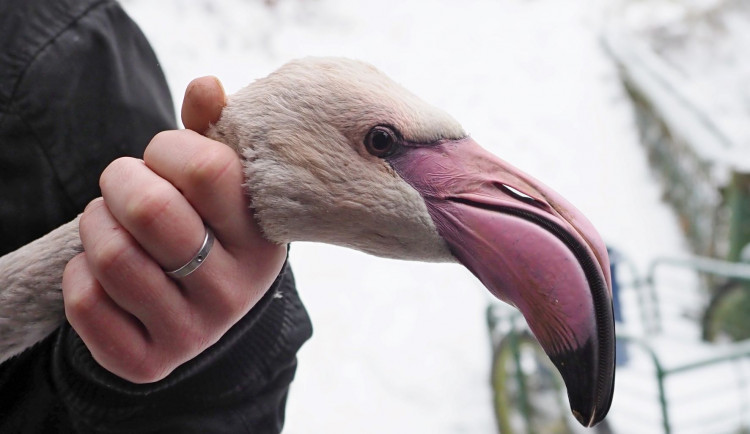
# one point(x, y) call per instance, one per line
point(381, 141)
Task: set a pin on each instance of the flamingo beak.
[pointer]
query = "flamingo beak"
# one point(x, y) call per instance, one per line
point(531, 249)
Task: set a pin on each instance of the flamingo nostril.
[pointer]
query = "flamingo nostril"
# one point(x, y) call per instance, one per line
point(521, 196)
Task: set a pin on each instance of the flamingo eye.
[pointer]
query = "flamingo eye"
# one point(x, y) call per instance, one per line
point(381, 141)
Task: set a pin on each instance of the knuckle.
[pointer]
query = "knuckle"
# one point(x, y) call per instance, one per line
point(113, 172)
point(143, 209)
point(228, 302)
point(191, 336)
point(110, 252)
point(80, 307)
point(88, 220)
point(231, 290)
point(159, 142)
point(92, 207)
point(80, 301)
point(224, 305)
point(74, 265)
point(210, 165)
point(161, 138)
point(148, 367)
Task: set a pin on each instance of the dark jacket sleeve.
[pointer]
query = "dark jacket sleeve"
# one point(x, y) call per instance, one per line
point(79, 87)
point(239, 385)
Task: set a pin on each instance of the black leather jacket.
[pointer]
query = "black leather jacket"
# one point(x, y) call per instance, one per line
point(79, 87)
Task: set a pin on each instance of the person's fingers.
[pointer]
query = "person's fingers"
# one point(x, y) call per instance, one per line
point(169, 230)
point(209, 174)
point(127, 281)
point(153, 211)
point(203, 103)
point(116, 339)
point(129, 276)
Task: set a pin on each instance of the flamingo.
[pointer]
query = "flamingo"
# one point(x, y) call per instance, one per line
point(336, 152)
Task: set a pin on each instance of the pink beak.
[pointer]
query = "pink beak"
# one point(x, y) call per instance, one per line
point(531, 249)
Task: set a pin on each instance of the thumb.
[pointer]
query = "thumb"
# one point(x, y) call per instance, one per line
point(204, 100)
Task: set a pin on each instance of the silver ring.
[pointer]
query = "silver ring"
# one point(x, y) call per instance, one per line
point(197, 260)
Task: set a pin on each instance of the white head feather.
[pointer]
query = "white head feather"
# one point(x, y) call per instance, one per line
point(301, 132)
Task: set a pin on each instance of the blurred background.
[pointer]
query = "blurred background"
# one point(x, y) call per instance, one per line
point(634, 110)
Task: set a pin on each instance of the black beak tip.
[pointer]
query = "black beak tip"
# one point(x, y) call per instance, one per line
point(590, 389)
point(587, 419)
point(581, 418)
point(586, 412)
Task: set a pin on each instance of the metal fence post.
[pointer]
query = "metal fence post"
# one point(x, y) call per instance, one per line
point(739, 205)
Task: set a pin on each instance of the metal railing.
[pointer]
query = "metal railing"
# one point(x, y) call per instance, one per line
point(646, 291)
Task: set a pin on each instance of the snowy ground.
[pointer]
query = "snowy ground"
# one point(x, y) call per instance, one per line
point(403, 347)
point(701, 41)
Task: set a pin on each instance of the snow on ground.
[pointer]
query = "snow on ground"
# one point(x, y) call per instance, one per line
point(699, 40)
point(403, 347)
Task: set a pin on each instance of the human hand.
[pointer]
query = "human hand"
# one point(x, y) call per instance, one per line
point(137, 322)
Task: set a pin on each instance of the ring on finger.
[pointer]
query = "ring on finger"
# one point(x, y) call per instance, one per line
point(198, 258)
